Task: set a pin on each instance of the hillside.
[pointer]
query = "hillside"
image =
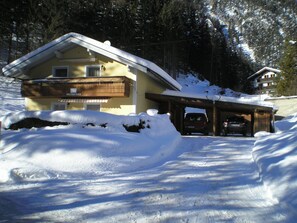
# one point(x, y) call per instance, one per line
point(225, 41)
point(257, 29)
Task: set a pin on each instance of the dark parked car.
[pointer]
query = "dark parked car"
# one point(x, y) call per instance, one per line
point(196, 123)
point(235, 124)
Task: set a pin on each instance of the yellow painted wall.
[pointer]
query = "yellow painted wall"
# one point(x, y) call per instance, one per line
point(38, 104)
point(146, 84)
point(46, 104)
point(78, 69)
point(117, 106)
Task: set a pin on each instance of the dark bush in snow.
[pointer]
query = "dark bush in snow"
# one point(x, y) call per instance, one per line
point(136, 128)
point(29, 123)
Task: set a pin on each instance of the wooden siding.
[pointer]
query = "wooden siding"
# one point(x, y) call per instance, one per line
point(104, 87)
point(262, 121)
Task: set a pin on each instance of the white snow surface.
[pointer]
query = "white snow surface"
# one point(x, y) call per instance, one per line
point(77, 148)
point(79, 173)
point(276, 157)
point(193, 87)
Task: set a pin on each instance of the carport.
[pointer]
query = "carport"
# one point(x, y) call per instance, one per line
point(260, 117)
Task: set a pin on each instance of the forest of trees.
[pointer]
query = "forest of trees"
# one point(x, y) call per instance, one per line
point(287, 80)
point(175, 34)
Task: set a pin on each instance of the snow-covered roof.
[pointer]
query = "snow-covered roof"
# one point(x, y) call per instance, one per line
point(264, 69)
point(17, 67)
point(246, 100)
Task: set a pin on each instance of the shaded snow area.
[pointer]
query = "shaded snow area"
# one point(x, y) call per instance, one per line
point(10, 97)
point(276, 157)
point(205, 179)
point(94, 170)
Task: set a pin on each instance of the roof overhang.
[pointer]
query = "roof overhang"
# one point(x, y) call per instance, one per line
point(19, 67)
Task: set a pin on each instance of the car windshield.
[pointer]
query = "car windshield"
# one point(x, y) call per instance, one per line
point(236, 119)
point(195, 117)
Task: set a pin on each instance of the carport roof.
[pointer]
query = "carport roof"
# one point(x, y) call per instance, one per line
point(203, 101)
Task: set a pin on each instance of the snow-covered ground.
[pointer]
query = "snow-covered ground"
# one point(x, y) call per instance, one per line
point(82, 149)
point(276, 157)
point(79, 173)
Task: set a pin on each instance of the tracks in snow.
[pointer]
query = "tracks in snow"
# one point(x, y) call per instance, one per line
point(212, 179)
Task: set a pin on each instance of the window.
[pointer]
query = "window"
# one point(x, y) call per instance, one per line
point(93, 71)
point(58, 106)
point(60, 72)
point(92, 107)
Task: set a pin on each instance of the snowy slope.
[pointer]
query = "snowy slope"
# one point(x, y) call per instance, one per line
point(191, 84)
point(255, 29)
point(193, 87)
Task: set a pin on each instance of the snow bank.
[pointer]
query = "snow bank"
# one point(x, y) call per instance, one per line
point(76, 149)
point(276, 157)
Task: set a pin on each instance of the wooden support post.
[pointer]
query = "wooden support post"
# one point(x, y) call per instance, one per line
point(219, 124)
point(272, 130)
point(214, 119)
point(170, 112)
point(252, 124)
point(182, 115)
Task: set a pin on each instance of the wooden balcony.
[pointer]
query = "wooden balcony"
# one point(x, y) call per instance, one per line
point(87, 87)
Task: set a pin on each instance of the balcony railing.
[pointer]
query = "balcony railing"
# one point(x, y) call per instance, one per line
point(103, 87)
point(266, 80)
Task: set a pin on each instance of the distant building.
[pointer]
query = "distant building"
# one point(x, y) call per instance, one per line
point(264, 80)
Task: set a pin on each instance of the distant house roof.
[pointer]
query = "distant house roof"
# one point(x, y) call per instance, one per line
point(49, 50)
point(262, 71)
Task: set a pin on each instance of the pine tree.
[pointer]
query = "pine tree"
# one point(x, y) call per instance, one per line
point(287, 80)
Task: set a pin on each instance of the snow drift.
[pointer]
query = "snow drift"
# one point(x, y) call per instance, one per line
point(276, 157)
point(55, 152)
